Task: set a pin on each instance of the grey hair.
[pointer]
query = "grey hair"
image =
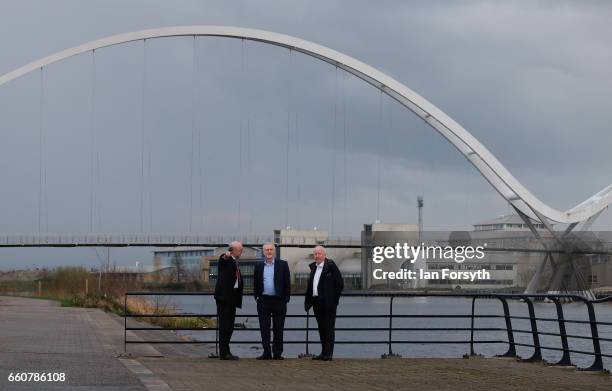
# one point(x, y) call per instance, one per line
point(268, 244)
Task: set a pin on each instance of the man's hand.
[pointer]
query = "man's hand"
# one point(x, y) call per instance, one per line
point(227, 255)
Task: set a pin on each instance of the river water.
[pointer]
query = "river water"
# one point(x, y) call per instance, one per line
point(421, 306)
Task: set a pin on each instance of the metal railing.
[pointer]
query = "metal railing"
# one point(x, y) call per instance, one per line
point(508, 329)
point(166, 240)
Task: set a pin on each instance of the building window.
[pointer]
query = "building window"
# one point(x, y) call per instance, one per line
point(503, 267)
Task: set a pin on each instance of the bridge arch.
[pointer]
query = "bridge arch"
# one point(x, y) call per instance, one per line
point(477, 154)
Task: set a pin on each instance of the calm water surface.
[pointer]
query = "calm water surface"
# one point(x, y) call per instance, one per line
point(430, 305)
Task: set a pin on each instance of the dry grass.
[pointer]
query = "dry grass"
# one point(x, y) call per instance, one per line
point(67, 284)
point(142, 306)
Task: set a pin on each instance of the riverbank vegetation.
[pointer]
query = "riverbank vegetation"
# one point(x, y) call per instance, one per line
point(77, 287)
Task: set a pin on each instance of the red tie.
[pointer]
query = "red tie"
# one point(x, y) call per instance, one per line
point(237, 272)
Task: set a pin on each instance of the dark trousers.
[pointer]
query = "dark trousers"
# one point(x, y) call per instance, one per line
point(272, 310)
point(226, 315)
point(326, 322)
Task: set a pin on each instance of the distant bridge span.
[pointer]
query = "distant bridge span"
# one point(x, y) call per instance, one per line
point(189, 240)
point(479, 156)
point(163, 240)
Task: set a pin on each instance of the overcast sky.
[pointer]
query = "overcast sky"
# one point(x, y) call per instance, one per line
point(531, 80)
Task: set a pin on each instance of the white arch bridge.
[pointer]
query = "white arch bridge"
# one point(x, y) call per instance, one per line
point(519, 197)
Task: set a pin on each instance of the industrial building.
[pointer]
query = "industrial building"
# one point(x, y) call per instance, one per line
point(507, 269)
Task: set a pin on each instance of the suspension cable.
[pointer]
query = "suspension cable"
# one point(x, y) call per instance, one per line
point(45, 188)
point(200, 160)
point(191, 161)
point(247, 171)
point(44, 199)
point(289, 107)
point(422, 171)
point(387, 151)
point(287, 169)
point(142, 134)
point(149, 144)
point(297, 173)
point(333, 153)
point(379, 152)
point(344, 154)
point(240, 150)
point(248, 158)
point(98, 203)
point(240, 165)
point(40, 149)
point(92, 115)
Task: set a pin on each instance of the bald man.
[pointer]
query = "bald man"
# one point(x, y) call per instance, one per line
point(228, 295)
point(323, 294)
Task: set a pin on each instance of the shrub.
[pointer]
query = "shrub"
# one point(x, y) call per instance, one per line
point(65, 282)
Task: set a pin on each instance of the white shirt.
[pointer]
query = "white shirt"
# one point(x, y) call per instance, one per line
point(315, 280)
point(236, 283)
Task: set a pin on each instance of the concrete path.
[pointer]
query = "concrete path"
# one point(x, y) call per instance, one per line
point(184, 374)
point(86, 345)
point(39, 336)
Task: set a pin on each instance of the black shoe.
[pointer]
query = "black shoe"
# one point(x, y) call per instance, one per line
point(264, 357)
point(319, 357)
point(229, 357)
point(279, 358)
point(326, 358)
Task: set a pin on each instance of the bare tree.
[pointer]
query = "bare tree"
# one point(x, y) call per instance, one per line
point(178, 264)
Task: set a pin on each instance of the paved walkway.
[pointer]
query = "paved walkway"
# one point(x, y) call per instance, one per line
point(183, 374)
point(39, 336)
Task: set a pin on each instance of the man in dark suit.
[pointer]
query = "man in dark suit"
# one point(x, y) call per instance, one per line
point(228, 295)
point(272, 290)
point(323, 295)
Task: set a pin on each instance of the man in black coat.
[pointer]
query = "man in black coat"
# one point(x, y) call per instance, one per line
point(323, 295)
point(272, 290)
point(228, 295)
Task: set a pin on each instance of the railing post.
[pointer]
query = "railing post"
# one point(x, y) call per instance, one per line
point(390, 354)
point(565, 359)
point(537, 352)
point(390, 324)
point(597, 363)
point(217, 335)
point(307, 354)
point(307, 333)
point(511, 346)
point(472, 353)
point(216, 353)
